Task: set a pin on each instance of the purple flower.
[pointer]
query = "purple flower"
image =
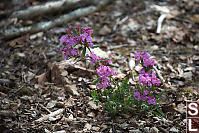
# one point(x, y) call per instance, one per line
point(104, 72)
point(151, 100)
point(145, 59)
point(90, 44)
point(77, 27)
point(154, 79)
point(93, 58)
point(89, 39)
point(142, 71)
point(137, 56)
point(143, 97)
point(108, 61)
point(83, 37)
point(137, 96)
point(61, 49)
point(64, 39)
point(103, 84)
point(74, 52)
point(86, 36)
point(141, 55)
point(148, 78)
point(87, 30)
point(146, 92)
point(148, 62)
point(104, 61)
point(145, 79)
point(70, 40)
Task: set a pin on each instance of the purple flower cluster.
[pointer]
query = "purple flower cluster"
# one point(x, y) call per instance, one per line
point(93, 58)
point(144, 58)
point(86, 36)
point(151, 100)
point(140, 97)
point(148, 78)
point(144, 97)
point(70, 41)
point(104, 72)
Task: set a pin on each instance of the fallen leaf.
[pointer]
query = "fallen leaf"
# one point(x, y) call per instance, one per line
point(93, 105)
point(91, 114)
point(87, 127)
point(41, 79)
point(95, 128)
point(19, 42)
point(105, 30)
point(72, 89)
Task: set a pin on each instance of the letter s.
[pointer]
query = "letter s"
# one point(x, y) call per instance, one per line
point(193, 106)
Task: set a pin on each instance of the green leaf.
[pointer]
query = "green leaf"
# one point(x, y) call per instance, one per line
point(94, 47)
point(160, 111)
point(103, 60)
point(86, 45)
point(144, 108)
point(157, 114)
point(96, 103)
point(162, 92)
point(84, 52)
point(124, 84)
point(91, 100)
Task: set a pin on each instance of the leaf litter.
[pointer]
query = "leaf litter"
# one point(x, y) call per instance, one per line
point(39, 92)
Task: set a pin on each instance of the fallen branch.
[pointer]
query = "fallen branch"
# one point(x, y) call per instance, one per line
point(52, 114)
point(43, 26)
point(45, 108)
point(14, 32)
point(50, 7)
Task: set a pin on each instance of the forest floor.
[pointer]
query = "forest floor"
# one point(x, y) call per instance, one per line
point(31, 82)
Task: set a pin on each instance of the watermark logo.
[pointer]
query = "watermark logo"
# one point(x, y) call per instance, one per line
point(192, 115)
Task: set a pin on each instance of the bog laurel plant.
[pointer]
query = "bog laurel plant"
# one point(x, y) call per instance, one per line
point(117, 97)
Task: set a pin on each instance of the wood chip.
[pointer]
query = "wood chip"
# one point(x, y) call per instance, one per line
point(52, 114)
point(72, 89)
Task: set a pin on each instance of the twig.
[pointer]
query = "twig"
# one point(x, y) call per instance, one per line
point(7, 113)
point(160, 20)
point(2, 81)
point(117, 46)
point(14, 32)
point(3, 94)
point(45, 108)
point(158, 73)
point(163, 130)
point(171, 68)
